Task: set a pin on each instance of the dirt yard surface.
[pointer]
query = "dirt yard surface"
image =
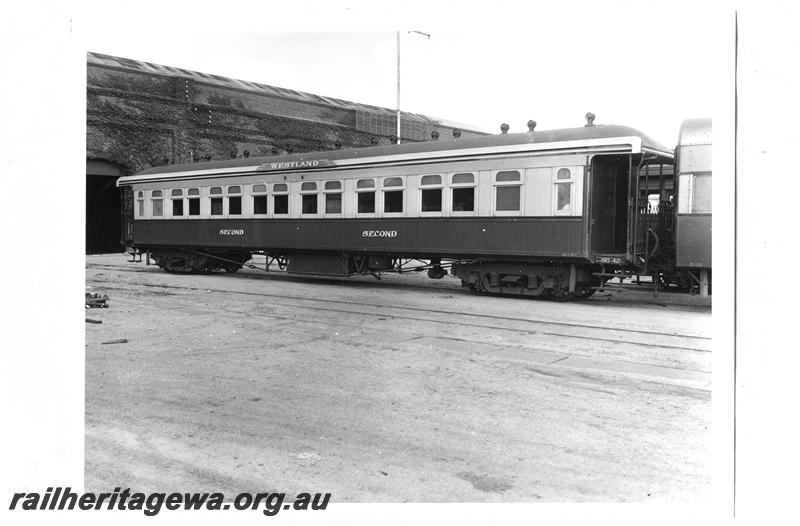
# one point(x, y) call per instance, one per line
point(399, 390)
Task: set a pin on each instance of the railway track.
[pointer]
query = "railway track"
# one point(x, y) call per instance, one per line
point(577, 331)
point(491, 343)
point(430, 285)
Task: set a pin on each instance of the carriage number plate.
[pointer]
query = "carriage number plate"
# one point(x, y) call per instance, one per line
point(608, 259)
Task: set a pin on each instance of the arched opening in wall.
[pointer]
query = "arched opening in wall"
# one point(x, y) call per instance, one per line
point(103, 207)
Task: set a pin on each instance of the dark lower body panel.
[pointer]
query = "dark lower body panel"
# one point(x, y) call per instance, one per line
point(520, 256)
point(693, 241)
point(458, 237)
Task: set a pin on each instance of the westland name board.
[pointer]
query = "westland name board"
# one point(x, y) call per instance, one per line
point(296, 165)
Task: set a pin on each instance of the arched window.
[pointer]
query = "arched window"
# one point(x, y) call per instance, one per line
point(194, 201)
point(563, 190)
point(430, 193)
point(508, 191)
point(177, 202)
point(259, 199)
point(393, 195)
point(215, 193)
point(333, 197)
point(140, 204)
point(308, 199)
point(463, 193)
point(235, 200)
point(157, 201)
point(365, 189)
point(280, 199)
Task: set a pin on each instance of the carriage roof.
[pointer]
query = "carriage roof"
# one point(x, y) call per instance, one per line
point(695, 132)
point(567, 140)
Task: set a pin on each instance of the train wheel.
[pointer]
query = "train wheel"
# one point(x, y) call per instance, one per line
point(561, 296)
point(561, 291)
point(436, 272)
point(582, 291)
point(583, 294)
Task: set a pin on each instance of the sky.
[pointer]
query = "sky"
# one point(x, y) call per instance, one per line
point(483, 64)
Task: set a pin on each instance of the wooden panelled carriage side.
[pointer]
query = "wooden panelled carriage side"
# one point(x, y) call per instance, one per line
point(551, 213)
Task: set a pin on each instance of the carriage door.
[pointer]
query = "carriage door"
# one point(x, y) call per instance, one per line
point(609, 199)
point(127, 216)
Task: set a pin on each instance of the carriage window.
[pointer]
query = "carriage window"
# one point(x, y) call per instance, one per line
point(366, 203)
point(463, 192)
point(259, 199)
point(392, 181)
point(463, 199)
point(366, 196)
point(507, 198)
point(309, 198)
point(507, 191)
point(431, 193)
point(177, 202)
point(701, 196)
point(333, 203)
point(234, 200)
point(563, 197)
point(140, 203)
point(393, 195)
point(280, 199)
point(194, 201)
point(563, 184)
point(333, 197)
point(157, 202)
point(507, 176)
point(216, 202)
point(463, 179)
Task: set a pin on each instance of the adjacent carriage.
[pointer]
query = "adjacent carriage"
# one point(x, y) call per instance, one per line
point(544, 213)
point(693, 220)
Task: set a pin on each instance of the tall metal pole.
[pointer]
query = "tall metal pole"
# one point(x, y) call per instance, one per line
point(398, 77)
point(398, 87)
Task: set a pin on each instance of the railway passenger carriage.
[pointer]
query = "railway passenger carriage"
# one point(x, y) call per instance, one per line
point(693, 222)
point(551, 213)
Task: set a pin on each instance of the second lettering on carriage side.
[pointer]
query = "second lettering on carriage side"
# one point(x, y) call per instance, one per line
point(379, 233)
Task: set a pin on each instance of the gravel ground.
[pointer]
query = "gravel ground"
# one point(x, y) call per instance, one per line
point(399, 390)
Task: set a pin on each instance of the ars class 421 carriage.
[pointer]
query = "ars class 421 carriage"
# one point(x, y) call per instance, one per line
point(551, 213)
